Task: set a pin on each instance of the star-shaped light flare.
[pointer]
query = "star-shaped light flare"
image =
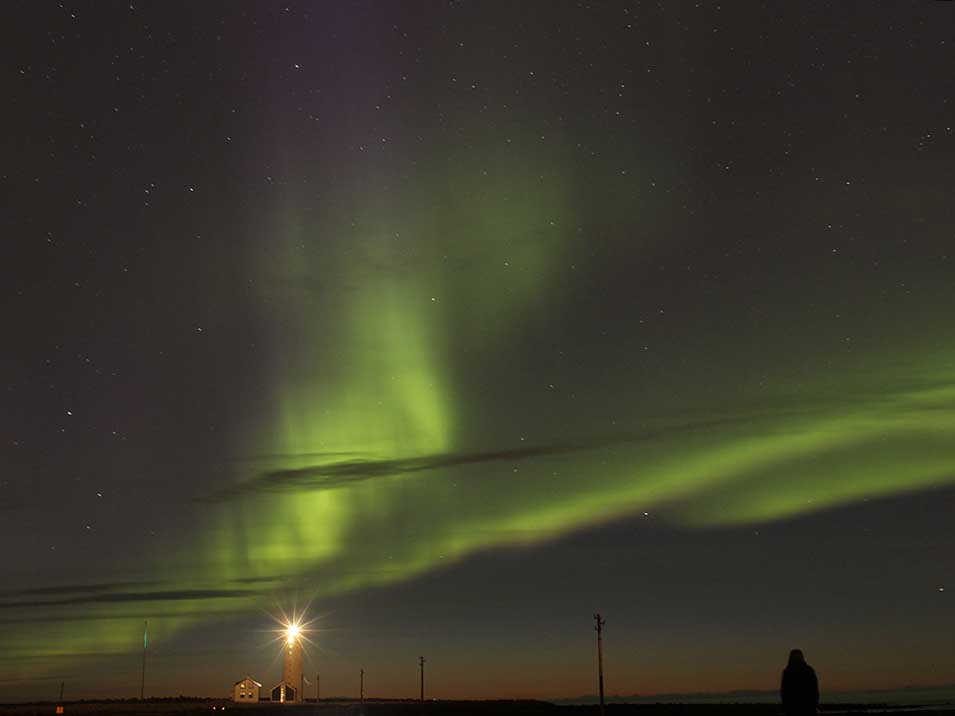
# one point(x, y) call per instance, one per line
point(293, 627)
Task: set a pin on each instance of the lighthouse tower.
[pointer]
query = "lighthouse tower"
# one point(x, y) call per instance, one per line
point(289, 689)
point(292, 668)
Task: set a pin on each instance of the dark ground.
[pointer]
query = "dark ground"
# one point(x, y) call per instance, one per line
point(428, 708)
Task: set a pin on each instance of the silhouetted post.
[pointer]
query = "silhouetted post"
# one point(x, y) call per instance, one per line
point(142, 683)
point(361, 686)
point(61, 691)
point(600, 658)
point(421, 664)
point(318, 694)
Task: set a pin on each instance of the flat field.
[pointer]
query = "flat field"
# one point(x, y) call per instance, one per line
point(430, 708)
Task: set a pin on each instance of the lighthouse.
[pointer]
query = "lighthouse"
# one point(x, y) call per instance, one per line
point(289, 690)
point(292, 669)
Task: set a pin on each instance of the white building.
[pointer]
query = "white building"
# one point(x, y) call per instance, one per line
point(246, 691)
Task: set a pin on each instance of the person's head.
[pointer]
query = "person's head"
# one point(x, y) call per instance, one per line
point(796, 657)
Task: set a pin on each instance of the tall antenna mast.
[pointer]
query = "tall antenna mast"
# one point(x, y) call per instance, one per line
point(600, 658)
point(142, 683)
point(421, 664)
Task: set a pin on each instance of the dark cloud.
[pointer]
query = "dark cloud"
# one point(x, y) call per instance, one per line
point(80, 616)
point(259, 580)
point(331, 475)
point(99, 588)
point(119, 597)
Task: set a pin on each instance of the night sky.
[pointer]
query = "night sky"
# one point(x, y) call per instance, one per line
point(451, 323)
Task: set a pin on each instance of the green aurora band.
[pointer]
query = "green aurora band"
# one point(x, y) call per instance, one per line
point(391, 338)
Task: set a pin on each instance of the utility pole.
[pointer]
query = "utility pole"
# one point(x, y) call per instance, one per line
point(318, 694)
point(361, 686)
point(600, 658)
point(142, 683)
point(421, 664)
point(61, 691)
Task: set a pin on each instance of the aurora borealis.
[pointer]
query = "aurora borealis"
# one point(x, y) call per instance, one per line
point(458, 321)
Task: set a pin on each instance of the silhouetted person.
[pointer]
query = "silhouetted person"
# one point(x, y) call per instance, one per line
point(800, 688)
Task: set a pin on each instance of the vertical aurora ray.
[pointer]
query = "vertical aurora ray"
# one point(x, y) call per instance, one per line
point(366, 323)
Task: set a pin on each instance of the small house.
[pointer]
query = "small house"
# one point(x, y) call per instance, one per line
point(246, 691)
point(284, 693)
